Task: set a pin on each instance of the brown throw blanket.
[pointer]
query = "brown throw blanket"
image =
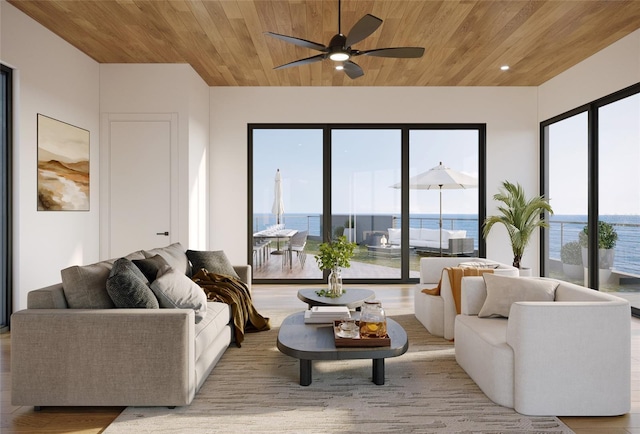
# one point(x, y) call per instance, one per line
point(227, 289)
point(455, 278)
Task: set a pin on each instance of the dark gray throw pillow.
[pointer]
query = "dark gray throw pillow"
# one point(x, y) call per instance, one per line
point(212, 261)
point(128, 288)
point(150, 266)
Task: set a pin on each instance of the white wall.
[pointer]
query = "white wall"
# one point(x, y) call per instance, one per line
point(512, 139)
point(612, 69)
point(169, 88)
point(54, 79)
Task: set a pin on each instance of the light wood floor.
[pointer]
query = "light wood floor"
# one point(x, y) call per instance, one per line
point(96, 419)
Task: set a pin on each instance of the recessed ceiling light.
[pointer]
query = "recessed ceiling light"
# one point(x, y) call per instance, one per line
point(504, 67)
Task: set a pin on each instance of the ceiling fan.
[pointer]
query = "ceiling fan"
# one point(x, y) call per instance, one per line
point(339, 49)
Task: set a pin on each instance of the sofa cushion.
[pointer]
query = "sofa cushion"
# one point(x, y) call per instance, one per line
point(85, 286)
point(151, 266)
point(395, 236)
point(430, 235)
point(128, 288)
point(213, 261)
point(175, 256)
point(503, 291)
point(175, 290)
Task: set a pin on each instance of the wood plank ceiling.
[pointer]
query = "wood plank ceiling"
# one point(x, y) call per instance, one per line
point(466, 41)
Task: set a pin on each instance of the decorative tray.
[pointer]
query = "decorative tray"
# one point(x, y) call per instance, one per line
point(357, 341)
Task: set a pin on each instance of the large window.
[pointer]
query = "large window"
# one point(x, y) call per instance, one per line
point(5, 195)
point(310, 183)
point(591, 157)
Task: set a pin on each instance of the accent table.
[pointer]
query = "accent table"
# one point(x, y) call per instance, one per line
point(309, 342)
point(353, 298)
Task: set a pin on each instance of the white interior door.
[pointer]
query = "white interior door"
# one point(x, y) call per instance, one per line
point(139, 183)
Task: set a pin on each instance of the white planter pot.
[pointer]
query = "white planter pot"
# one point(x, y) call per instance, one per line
point(525, 272)
point(572, 271)
point(605, 258)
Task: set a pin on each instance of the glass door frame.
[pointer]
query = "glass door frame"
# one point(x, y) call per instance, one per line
point(6, 218)
point(592, 110)
point(405, 194)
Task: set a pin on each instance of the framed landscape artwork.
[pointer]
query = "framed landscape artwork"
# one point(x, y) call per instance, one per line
point(63, 166)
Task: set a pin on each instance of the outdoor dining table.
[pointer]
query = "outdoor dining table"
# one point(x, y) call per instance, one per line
point(280, 234)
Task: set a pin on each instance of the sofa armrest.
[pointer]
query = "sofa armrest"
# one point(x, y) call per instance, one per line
point(473, 294)
point(571, 358)
point(50, 297)
point(244, 271)
point(103, 357)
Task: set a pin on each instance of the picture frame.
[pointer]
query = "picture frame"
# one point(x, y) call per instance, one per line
point(63, 166)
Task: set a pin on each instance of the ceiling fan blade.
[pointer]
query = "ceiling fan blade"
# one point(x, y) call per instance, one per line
point(353, 70)
point(400, 52)
point(312, 59)
point(363, 28)
point(298, 41)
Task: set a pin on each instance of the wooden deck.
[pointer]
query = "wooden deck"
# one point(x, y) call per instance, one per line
point(273, 269)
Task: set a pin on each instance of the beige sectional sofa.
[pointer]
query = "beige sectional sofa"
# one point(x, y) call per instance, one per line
point(437, 313)
point(567, 356)
point(67, 349)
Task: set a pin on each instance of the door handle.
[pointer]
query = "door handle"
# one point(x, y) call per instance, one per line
point(166, 234)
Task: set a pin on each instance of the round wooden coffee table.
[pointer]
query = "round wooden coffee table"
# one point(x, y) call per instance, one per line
point(353, 298)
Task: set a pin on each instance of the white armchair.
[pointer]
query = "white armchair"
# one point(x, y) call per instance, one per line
point(437, 313)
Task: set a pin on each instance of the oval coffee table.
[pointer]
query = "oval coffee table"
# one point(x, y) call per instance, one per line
point(353, 298)
point(309, 342)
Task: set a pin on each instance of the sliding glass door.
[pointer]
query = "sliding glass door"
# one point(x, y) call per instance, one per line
point(365, 166)
point(590, 172)
point(313, 183)
point(452, 205)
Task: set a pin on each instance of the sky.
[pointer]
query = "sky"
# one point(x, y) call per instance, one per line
point(366, 164)
point(619, 161)
point(365, 167)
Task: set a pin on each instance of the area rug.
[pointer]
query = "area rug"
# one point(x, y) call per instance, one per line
point(255, 389)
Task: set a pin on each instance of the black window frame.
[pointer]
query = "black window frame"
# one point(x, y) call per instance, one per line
point(592, 110)
point(6, 245)
point(405, 129)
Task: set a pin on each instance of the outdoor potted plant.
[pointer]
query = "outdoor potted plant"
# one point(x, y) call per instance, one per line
point(519, 215)
point(607, 239)
point(571, 256)
point(335, 255)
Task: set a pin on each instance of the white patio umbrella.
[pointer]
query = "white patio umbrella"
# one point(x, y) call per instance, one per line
point(278, 206)
point(278, 203)
point(441, 177)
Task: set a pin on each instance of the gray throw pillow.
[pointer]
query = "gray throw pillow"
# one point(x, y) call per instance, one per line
point(503, 291)
point(128, 288)
point(175, 290)
point(151, 266)
point(212, 261)
point(174, 255)
point(85, 286)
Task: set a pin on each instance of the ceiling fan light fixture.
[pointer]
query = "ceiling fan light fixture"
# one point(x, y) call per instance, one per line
point(339, 56)
point(340, 66)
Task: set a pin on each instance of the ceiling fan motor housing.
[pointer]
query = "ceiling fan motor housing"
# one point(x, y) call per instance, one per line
point(337, 50)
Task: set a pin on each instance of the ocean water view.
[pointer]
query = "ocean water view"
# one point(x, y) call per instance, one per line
point(562, 229)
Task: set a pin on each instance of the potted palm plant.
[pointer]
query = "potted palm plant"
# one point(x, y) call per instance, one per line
point(335, 255)
point(519, 215)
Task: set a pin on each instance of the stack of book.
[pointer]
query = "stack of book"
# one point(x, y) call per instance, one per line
point(326, 314)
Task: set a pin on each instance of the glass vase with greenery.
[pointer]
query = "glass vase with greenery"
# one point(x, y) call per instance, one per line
point(519, 215)
point(335, 255)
